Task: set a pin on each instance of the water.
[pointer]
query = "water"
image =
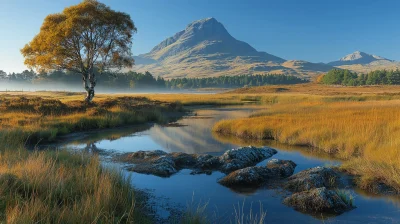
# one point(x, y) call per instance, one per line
point(194, 135)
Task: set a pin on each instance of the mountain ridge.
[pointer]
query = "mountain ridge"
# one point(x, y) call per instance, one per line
point(206, 49)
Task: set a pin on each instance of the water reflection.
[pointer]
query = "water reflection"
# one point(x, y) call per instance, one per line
point(193, 134)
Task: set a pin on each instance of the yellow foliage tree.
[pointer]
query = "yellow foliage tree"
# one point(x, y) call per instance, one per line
point(83, 38)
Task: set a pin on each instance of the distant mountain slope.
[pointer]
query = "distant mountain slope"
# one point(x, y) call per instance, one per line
point(362, 62)
point(205, 48)
point(358, 57)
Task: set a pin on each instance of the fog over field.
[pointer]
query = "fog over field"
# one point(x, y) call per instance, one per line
point(57, 87)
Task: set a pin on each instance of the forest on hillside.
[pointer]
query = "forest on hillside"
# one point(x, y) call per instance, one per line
point(139, 81)
point(348, 78)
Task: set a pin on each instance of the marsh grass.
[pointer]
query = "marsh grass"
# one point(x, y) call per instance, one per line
point(63, 187)
point(36, 119)
point(363, 133)
point(196, 213)
point(346, 197)
point(241, 217)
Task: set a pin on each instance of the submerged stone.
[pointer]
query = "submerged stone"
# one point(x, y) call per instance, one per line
point(319, 200)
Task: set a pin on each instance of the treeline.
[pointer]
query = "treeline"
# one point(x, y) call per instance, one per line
point(123, 81)
point(232, 81)
point(348, 78)
point(133, 80)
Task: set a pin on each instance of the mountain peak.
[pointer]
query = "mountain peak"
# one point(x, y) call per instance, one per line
point(205, 20)
point(205, 38)
point(206, 29)
point(204, 48)
point(358, 57)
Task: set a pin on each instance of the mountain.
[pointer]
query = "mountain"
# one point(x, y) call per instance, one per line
point(362, 62)
point(203, 38)
point(359, 57)
point(205, 48)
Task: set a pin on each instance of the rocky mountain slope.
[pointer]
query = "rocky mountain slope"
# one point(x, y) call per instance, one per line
point(205, 48)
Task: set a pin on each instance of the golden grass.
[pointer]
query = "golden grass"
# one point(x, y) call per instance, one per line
point(319, 89)
point(37, 119)
point(357, 124)
point(364, 133)
point(60, 187)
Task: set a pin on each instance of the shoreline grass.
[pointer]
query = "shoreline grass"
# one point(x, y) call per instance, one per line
point(63, 187)
point(362, 133)
point(36, 120)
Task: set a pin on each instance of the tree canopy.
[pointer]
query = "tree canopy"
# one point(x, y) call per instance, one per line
point(83, 38)
point(348, 78)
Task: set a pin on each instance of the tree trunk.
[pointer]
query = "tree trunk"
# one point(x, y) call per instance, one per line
point(89, 83)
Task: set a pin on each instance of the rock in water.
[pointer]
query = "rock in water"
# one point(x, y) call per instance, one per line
point(314, 178)
point(165, 164)
point(235, 159)
point(319, 200)
point(281, 168)
point(141, 156)
point(162, 166)
point(257, 175)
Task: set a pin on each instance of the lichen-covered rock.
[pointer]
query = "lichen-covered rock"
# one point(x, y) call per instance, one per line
point(162, 166)
point(257, 175)
point(183, 159)
point(281, 168)
point(141, 156)
point(319, 200)
point(208, 162)
point(153, 162)
point(314, 178)
point(235, 159)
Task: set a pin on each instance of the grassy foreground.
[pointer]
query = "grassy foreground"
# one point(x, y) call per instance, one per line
point(60, 186)
point(361, 127)
point(357, 124)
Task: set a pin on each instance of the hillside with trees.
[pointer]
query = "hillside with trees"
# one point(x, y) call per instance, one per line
point(130, 81)
point(233, 81)
point(348, 78)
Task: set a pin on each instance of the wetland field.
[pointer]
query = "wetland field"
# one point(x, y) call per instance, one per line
point(60, 154)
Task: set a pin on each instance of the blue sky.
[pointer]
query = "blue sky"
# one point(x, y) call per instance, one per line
point(312, 30)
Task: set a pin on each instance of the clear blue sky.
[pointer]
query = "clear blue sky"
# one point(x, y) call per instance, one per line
point(312, 30)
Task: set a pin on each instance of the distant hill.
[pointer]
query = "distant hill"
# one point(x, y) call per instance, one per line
point(362, 62)
point(205, 48)
point(359, 57)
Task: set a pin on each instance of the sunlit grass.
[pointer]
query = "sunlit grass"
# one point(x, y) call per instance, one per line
point(38, 119)
point(363, 133)
point(61, 187)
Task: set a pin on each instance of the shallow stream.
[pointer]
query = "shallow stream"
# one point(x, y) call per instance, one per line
point(192, 134)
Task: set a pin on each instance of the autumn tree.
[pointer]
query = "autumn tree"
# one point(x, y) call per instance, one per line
point(84, 38)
